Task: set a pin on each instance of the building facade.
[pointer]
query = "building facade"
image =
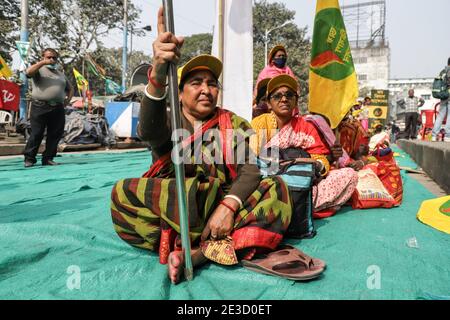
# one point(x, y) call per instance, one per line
point(372, 65)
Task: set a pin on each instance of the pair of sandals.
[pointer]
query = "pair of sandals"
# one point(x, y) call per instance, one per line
point(287, 262)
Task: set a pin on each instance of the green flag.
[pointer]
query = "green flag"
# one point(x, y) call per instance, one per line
point(94, 68)
point(112, 87)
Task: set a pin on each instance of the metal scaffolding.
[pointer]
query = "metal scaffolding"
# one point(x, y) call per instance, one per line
point(365, 22)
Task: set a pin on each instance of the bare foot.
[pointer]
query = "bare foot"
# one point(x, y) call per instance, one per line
point(175, 266)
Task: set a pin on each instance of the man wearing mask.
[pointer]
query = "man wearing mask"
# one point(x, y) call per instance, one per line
point(411, 105)
point(50, 94)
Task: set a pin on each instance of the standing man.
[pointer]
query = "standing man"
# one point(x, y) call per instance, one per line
point(51, 93)
point(411, 105)
point(444, 109)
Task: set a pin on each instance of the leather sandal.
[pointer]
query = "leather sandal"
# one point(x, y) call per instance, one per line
point(289, 263)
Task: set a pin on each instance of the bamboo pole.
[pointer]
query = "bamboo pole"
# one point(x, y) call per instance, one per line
point(221, 44)
point(179, 167)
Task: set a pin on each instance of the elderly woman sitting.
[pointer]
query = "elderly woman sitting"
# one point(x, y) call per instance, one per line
point(283, 130)
point(226, 196)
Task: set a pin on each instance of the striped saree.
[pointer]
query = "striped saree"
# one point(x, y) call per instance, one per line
point(145, 210)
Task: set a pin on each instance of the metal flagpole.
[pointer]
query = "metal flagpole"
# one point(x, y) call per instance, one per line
point(179, 167)
point(24, 33)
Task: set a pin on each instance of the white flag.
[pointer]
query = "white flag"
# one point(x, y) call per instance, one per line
point(237, 55)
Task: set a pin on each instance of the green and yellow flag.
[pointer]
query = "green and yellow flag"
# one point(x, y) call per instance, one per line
point(5, 71)
point(333, 86)
point(82, 83)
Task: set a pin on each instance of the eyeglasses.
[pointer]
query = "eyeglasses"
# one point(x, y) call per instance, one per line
point(52, 58)
point(289, 96)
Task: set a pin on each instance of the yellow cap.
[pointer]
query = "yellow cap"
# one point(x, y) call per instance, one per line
point(283, 80)
point(275, 50)
point(201, 62)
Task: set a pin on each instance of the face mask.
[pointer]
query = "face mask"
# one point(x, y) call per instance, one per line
point(279, 62)
point(53, 66)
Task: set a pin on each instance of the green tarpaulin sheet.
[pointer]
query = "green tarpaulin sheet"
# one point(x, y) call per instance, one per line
point(56, 229)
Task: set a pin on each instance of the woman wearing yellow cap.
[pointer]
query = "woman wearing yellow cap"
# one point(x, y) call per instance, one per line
point(225, 193)
point(282, 130)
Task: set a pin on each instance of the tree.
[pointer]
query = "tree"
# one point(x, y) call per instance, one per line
point(8, 25)
point(109, 59)
point(72, 27)
point(195, 45)
point(271, 15)
point(75, 26)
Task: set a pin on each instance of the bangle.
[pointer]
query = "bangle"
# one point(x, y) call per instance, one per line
point(324, 161)
point(152, 97)
point(228, 206)
point(231, 196)
point(153, 82)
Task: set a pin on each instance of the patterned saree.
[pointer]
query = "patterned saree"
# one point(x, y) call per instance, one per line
point(145, 210)
point(332, 192)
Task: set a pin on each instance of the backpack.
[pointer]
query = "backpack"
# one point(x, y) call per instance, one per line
point(440, 87)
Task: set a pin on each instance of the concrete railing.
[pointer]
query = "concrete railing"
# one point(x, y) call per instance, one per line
point(432, 157)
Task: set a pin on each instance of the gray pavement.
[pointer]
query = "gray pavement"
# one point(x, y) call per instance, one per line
point(429, 184)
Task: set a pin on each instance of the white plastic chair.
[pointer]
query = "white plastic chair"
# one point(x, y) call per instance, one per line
point(6, 121)
point(5, 117)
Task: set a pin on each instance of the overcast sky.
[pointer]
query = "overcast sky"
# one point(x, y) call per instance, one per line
point(417, 30)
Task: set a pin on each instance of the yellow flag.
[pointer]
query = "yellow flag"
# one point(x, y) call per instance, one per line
point(5, 71)
point(333, 86)
point(82, 83)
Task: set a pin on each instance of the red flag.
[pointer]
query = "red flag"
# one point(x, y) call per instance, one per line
point(9, 95)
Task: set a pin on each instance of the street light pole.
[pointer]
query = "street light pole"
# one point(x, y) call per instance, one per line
point(124, 49)
point(24, 34)
point(146, 28)
point(266, 40)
